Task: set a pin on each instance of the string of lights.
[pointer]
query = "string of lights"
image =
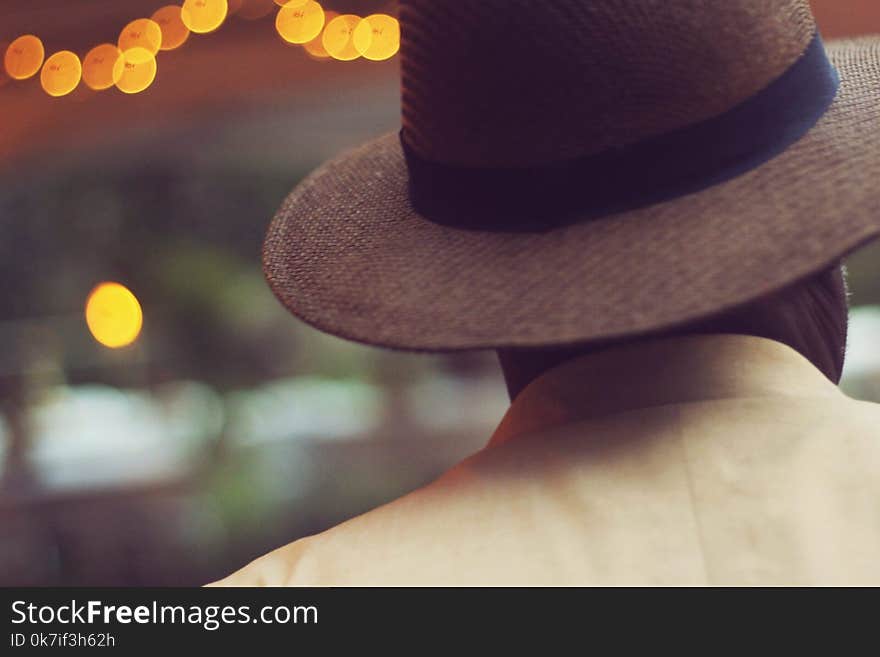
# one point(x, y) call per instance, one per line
point(112, 312)
point(130, 64)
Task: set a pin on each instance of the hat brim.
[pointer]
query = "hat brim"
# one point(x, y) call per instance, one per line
point(348, 254)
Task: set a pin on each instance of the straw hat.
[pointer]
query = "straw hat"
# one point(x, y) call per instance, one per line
point(578, 170)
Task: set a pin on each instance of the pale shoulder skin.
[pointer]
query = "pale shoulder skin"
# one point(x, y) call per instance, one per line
point(739, 465)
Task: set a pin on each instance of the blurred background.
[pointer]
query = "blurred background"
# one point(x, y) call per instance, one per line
point(163, 420)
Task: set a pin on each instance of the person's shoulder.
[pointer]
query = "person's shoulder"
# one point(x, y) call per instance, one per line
point(868, 408)
point(859, 414)
point(276, 568)
point(837, 438)
point(372, 546)
point(864, 418)
point(834, 420)
point(813, 412)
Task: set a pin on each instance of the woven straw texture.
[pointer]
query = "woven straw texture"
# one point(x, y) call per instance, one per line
point(481, 79)
point(348, 254)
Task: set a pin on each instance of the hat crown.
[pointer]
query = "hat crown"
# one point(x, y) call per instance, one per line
point(513, 83)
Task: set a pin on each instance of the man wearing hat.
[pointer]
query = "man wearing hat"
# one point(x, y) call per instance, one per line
point(642, 205)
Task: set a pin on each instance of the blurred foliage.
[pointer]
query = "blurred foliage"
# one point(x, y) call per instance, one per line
point(188, 244)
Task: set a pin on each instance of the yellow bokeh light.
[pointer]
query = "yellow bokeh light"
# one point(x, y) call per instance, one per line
point(290, 3)
point(99, 67)
point(202, 16)
point(61, 73)
point(174, 31)
point(23, 57)
point(337, 38)
point(114, 315)
point(141, 33)
point(377, 37)
point(300, 23)
point(135, 70)
point(315, 47)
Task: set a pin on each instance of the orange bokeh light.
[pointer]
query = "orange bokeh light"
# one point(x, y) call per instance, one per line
point(23, 57)
point(136, 70)
point(100, 69)
point(315, 47)
point(61, 73)
point(337, 38)
point(300, 23)
point(377, 37)
point(141, 33)
point(113, 315)
point(203, 16)
point(174, 31)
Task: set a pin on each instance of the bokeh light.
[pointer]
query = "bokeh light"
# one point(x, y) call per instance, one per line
point(254, 9)
point(100, 68)
point(174, 31)
point(377, 37)
point(202, 16)
point(61, 73)
point(141, 33)
point(114, 315)
point(315, 47)
point(136, 70)
point(300, 23)
point(131, 63)
point(337, 38)
point(23, 57)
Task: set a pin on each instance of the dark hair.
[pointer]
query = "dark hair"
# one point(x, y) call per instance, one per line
point(810, 316)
